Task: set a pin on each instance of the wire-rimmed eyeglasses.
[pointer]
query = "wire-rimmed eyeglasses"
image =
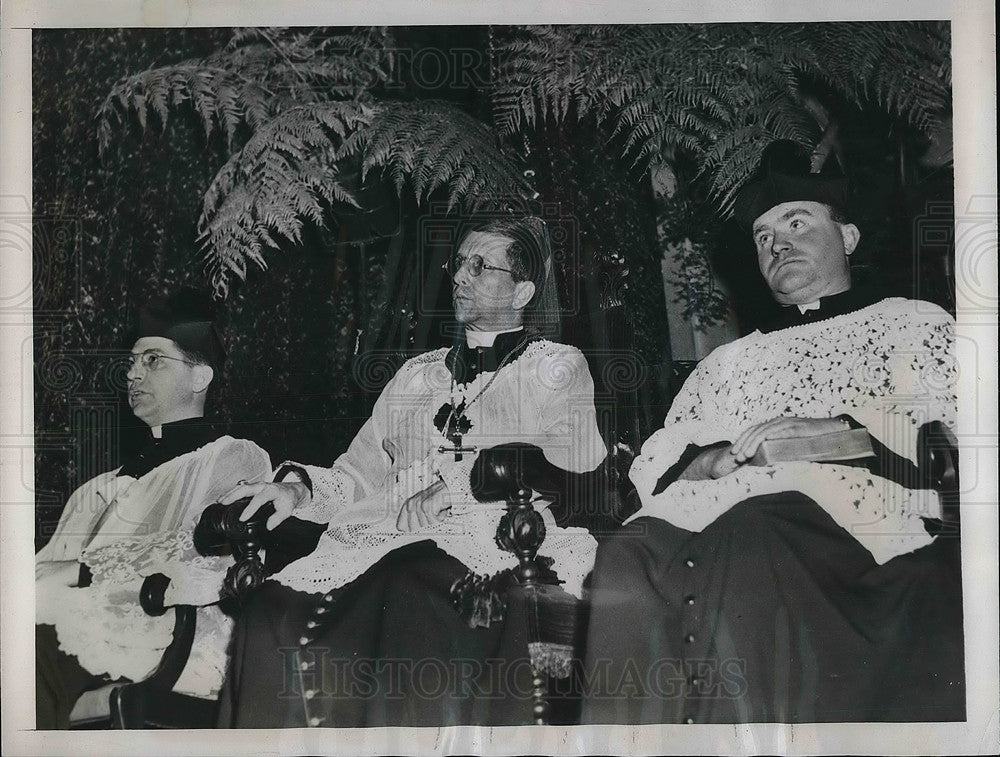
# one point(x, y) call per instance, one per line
point(476, 265)
point(149, 360)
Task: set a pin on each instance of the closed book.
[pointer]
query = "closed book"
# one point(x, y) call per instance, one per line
point(851, 444)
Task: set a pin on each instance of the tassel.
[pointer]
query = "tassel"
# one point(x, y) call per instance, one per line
point(555, 660)
point(479, 599)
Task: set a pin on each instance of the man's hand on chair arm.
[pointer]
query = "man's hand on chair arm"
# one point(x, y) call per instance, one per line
point(286, 496)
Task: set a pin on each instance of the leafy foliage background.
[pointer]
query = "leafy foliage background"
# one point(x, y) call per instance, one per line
point(295, 171)
point(133, 218)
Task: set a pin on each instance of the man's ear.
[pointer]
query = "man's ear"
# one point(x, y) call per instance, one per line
point(851, 236)
point(203, 375)
point(523, 292)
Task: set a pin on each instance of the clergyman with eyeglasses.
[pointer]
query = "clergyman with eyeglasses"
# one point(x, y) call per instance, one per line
point(128, 523)
point(362, 632)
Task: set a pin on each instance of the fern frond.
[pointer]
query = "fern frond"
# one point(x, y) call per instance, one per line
point(286, 173)
point(219, 98)
point(431, 145)
point(256, 75)
point(697, 87)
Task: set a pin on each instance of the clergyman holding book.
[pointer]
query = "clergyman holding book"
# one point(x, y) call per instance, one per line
point(767, 577)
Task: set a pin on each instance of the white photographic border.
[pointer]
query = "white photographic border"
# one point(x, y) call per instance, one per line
point(974, 47)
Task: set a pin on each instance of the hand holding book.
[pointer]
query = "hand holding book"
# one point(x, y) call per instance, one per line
point(840, 446)
point(782, 439)
point(786, 428)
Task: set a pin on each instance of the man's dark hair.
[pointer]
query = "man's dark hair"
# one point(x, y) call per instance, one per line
point(530, 257)
point(525, 254)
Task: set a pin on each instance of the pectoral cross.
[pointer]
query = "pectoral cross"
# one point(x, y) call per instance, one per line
point(453, 424)
point(456, 439)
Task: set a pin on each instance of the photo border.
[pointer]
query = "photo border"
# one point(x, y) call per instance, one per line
point(973, 45)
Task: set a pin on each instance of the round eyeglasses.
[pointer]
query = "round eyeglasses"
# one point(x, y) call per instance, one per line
point(476, 265)
point(150, 361)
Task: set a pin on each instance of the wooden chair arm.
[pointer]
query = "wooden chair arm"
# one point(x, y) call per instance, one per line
point(593, 500)
point(220, 527)
point(131, 703)
point(937, 458)
point(499, 472)
point(175, 656)
point(515, 473)
point(220, 531)
point(937, 466)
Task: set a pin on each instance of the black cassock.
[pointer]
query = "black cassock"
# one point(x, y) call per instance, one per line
point(773, 613)
point(59, 677)
point(388, 649)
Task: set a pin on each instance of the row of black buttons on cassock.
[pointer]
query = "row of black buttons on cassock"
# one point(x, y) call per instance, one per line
point(689, 639)
point(321, 609)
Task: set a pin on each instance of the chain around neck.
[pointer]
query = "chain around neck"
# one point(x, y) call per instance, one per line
point(508, 358)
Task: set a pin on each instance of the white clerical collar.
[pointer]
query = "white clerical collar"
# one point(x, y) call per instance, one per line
point(808, 306)
point(486, 338)
point(157, 431)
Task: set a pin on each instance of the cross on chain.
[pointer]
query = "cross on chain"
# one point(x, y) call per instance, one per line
point(456, 439)
point(453, 423)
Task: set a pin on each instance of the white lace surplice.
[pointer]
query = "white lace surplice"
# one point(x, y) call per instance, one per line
point(147, 530)
point(545, 397)
point(890, 366)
